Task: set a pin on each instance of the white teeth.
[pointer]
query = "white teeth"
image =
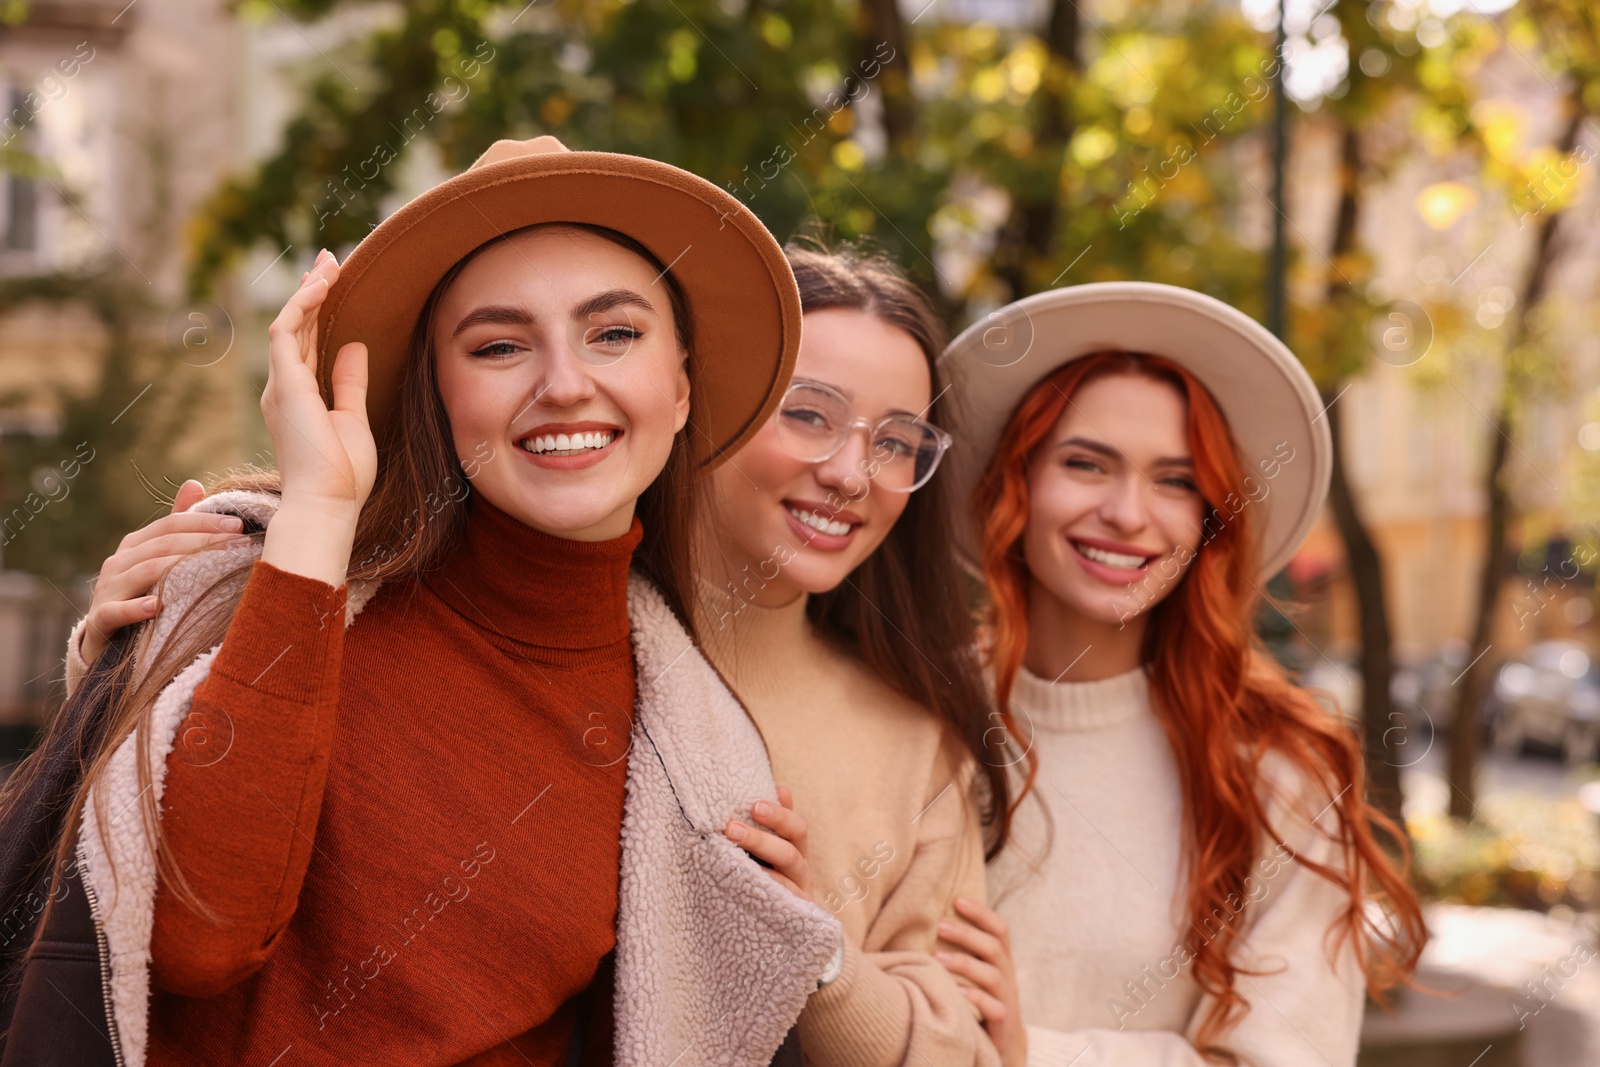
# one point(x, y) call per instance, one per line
point(821, 523)
point(568, 443)
point(1110, 559)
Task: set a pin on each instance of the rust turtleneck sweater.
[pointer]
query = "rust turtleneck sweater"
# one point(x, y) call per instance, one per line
point(411, 835)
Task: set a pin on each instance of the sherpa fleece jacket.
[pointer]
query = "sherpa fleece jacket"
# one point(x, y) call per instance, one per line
point(714, 959)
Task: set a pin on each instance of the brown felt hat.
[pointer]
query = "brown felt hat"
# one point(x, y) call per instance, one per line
point(740, 290)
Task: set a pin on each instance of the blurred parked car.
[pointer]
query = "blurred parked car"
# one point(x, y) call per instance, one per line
point(1426, 689)
point(1550, 695)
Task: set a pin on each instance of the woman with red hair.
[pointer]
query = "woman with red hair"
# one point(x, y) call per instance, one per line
point(1197, 879)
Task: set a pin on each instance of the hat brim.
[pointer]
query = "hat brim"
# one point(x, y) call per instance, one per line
point(1270, 402)
point(740, 290)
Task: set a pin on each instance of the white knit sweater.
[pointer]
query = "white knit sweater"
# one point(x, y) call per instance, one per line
point(1096, 925)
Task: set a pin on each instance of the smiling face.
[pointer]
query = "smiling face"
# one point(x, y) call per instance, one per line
point(814, 523)
point(1114, 515)
point(557, 355)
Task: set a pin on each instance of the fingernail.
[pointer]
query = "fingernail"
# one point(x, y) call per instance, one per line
point(761, 808)
point(147, 604)
point(737, 831)
point(231, 522)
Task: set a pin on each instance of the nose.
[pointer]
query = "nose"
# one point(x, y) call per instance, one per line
point(1124, 507)
point(846, 471)
point(561, 377)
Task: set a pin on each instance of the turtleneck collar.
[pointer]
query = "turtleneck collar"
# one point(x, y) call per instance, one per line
point(535, 588)
point(1093, 705)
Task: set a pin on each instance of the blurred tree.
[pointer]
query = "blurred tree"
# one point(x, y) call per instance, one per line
point(757, 97)
point(1541, 189)
point(1389, 78)
point(853, 125)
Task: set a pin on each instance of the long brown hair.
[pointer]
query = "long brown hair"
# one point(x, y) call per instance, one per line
point(1223, 701)
point(413, 518)
point(904, 609)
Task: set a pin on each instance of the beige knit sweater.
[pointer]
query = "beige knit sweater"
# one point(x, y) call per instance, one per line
point(1095, 929)
point(893, 838)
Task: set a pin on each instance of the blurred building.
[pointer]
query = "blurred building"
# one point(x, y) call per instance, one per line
point(120, 118)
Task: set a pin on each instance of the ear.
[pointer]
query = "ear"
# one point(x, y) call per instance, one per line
point(681, 401)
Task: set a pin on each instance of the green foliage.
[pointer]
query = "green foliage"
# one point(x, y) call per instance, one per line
point(67, 500)
point(1527, 851)
point(754, 96)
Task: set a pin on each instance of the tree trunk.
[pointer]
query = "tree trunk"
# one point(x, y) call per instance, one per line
point(1029, 234)
point(1465, 737)
point(1361, 551)
point(882, 24)
point(1372, 610)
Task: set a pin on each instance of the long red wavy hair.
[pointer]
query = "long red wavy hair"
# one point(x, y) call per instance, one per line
point(1224, 702)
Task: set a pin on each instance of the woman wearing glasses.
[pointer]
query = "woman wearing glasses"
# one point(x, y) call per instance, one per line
point(828, 576)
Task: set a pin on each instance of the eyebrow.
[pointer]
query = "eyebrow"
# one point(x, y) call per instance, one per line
point(1106, 450)
point(611, 298)
point(852, 399)
point(502, 314)
point(510, 315)
point(842, 391)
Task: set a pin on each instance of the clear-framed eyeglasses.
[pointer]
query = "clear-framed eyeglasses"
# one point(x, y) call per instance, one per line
point(815, 420)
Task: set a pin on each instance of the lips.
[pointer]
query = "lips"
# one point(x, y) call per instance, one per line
point(1112, 562)
point(569, 445)
point(1119, 560)
point(821, 527)
point(821, 523)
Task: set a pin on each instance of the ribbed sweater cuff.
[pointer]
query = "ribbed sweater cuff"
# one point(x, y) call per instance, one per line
point(287, 634)
point(863, 1016)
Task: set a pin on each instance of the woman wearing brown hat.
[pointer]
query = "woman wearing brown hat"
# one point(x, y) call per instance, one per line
point(828, 583)
point(396, 837)
point(1139, 459)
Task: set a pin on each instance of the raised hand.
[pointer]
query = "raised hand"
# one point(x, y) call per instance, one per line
point(123, 593)
point(327, 457)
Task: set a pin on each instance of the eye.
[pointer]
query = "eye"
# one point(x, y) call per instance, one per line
point(899, 441)
point(1081, 463)
point(805, 416)
point(895, 447)
point(496, 349)
point(615, 336)
point(1180, 482)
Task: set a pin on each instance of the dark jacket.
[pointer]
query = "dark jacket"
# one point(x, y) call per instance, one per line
point(52, 959)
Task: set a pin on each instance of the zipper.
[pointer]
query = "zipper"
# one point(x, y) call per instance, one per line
point(103, 948)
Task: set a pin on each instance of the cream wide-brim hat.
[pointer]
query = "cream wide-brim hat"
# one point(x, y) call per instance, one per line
point(1263, 391)
point(740, 291)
